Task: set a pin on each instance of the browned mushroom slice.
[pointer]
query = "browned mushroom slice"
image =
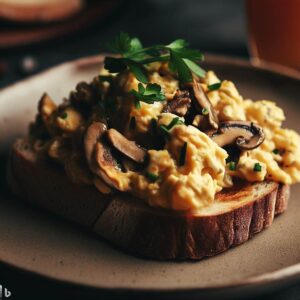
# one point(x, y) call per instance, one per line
point(91, 137)
point(129, 165)
point(201, 122)
point(246, 135)
point(100, 159)
point(47, 108)
point(108, 171)
point(84, 94)
point(180, 104)
point(129, 148)
point(203, 104)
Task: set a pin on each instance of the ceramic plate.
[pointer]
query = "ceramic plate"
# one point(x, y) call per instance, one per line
point(56, 249)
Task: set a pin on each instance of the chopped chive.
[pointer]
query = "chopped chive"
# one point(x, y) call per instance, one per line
point(175, 121)
point(232, 166)
point(137, 104)
point(152, 177)
point(64, 115)
point(276, 151)
point(182, 155)
point(214, 86)
point(257, 167)
point(153, 125)
point(132, 123)
point(164, 130)
point(204, 111)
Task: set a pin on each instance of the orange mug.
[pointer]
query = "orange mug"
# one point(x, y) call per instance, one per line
point(274, 31)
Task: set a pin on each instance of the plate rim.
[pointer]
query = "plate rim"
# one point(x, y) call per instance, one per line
point(286, 274)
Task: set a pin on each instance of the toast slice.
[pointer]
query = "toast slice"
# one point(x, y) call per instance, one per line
point(38, 10)
point(236, 215)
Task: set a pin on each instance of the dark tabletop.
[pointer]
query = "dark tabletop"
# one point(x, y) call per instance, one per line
point(216, 26)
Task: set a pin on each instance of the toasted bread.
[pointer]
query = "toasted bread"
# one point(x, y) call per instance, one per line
point(234, 217)
point(38, 10)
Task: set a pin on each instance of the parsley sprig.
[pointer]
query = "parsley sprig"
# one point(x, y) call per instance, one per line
point(150, 93)
point(181, 59)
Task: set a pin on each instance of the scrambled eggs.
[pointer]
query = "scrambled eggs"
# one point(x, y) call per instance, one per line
point(186, 167)
point(278, 155)
point(206, 172)
point(192, 185)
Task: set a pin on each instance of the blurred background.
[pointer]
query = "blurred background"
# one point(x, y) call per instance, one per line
point(37, 34)
point(32, 41)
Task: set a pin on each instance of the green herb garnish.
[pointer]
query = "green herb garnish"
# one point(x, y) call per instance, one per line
point(257, 167)
point(137, 104)
point(152, 177)
point(175, 121)
point(165, 131)
point(204, 111)
point(276, 151)
point(232, 166)
point(64, 115)
point(182, 155)
point(215, 86)
point(181, 59)
point(132, 123)
point(149, 94)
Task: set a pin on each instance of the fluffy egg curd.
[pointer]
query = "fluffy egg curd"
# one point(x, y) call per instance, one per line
point(173, 145)
point(183, 186)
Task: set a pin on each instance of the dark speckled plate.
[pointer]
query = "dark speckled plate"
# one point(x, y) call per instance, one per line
point(56, 249)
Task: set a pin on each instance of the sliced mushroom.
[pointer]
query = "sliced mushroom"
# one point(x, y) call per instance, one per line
point(108, 171)
point(246, 135)
point(100, 159)
point(46, 106)
point(180, 104)
point(84, 94)
point(93, 134)
point(47, 109)
point(129, 148)
point(201, 122)
point(202, 102)
point(129, 165)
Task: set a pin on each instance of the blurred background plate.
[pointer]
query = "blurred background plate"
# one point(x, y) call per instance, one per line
point(18, 29)
point(39, 243)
